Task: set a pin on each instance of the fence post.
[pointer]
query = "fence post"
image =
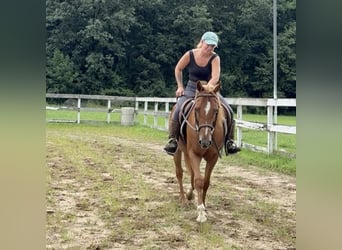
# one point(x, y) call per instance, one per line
point(145, 112)
point(275, 121)
point(270, 135)
point(136, 111)
point(167, 110)
point(239, 130)
point(78, 110)
point(155, 117)
point(108, 113)
point(136, 106)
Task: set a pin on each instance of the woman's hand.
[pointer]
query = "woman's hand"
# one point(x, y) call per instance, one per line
point(179, 91)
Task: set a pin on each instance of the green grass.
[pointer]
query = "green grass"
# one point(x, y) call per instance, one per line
point(102, 116)
point(132, 202)
point(274, 162)
point(280, 163)
point(246, 157)
point(285, 120)
point(277, 162)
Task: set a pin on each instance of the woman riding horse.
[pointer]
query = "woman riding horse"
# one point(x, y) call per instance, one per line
point(204, 138)
point(203, 65)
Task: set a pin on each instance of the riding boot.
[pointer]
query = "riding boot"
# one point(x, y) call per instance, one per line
point(172, 144)
point(230, 146)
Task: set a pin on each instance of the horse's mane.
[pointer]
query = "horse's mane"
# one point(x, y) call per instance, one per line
point(209, 88)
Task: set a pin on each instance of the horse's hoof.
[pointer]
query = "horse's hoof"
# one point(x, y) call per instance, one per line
point(202, 215)
point(190, 195)
point(184, 202)
point(201, 218)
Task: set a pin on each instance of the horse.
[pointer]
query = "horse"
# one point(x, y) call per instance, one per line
point(203, 138)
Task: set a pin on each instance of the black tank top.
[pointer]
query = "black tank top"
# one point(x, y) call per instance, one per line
point(197, 72)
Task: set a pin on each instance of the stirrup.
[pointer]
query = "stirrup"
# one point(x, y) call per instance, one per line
point(231, 147)
point(171, 146)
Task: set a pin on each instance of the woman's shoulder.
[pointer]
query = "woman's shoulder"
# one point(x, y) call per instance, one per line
point(190, 53)
point(195, 51)
point(214, 55)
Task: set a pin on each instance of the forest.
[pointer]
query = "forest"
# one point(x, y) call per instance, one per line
point(130, 48)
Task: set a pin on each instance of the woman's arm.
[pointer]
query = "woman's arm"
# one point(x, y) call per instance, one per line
point(215, 70)
point(182, 63)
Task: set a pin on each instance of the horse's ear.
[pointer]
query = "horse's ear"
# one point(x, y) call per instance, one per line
point(217, 86)
point(199, 86)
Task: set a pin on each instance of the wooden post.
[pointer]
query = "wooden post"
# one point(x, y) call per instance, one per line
point(145, 114)
point(155, 117)
point(275, 121)
point(270, 134)
point(108, 113)
point(239, 130)
point(167, 109)
point(136, 111)
point(78, 110)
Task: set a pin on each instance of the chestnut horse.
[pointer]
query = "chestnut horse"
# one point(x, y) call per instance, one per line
point(204, 138)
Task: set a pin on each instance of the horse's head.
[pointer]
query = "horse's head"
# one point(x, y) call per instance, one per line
point(206, 108)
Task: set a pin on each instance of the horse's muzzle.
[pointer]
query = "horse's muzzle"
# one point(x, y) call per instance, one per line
point(205, 143)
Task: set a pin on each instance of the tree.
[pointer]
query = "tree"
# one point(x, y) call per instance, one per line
point(131, 47)
point(60, 74)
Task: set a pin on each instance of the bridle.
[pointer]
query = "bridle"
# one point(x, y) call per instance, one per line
point(198, 126)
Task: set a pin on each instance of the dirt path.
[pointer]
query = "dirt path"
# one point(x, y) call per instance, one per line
point(93, 205)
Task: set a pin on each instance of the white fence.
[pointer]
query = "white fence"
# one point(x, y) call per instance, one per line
point(271, 126)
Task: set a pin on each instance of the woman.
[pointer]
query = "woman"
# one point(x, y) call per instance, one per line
point(203, 64)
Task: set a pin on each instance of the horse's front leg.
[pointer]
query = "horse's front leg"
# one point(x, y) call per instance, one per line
point(199, 184)
point(177, 158)
point(208, 170)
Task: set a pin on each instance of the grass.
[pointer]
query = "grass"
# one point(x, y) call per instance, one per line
point(130, 204)
point(115, 117)
point(275, 162)
point(285, 120)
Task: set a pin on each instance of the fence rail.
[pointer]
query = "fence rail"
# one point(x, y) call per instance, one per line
point(271, 126)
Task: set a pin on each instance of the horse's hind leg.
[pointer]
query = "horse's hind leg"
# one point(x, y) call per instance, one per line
point(177, 158)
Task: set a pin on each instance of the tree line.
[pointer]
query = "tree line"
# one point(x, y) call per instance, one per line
point(130, 48)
